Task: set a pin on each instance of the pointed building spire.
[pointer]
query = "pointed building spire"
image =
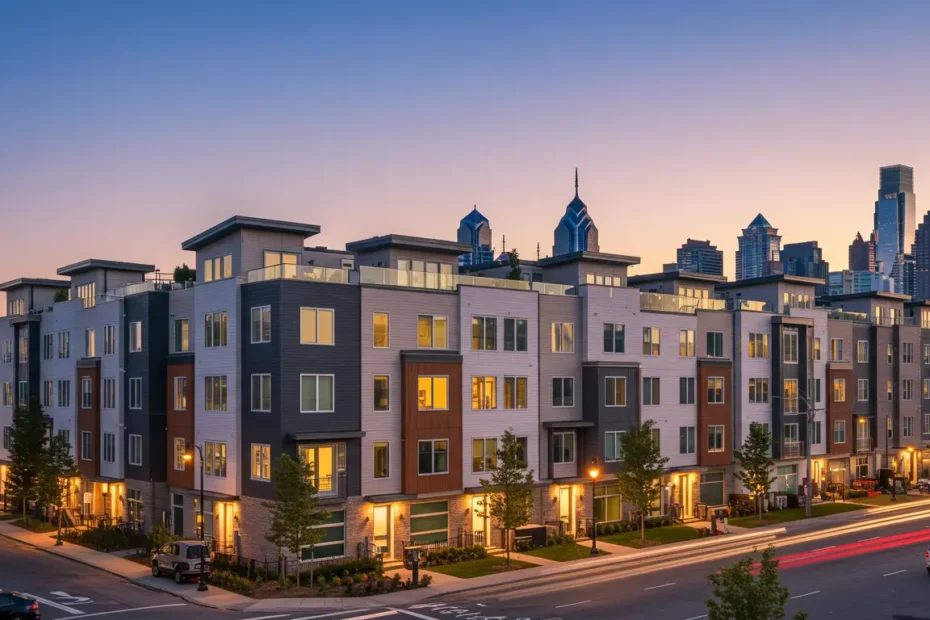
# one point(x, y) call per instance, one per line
point(576, 182)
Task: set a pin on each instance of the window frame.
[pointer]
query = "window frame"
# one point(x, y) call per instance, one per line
point(715, 336)
point(862, 351)
point(263, 312)
point(179, 456)
point(87, 446)
point(488, 462)
point(719, 393)
point(837, 350)
point(839, 431)
point(317, 377)
point(135, 337)
point(860, 384)
point(514, 392)
point(263, 397)
point(557, 336)
point(687, 387)
point(432, 331)
point(213, 322)
point(387, 460)
point(757, 341)
point(561, 435)
point(687, 438)
point(87, 392)
point(180, 393)
point(134, 457)
point(516, 322)
point(220, 385)
point(651, 344)
point(789, 337)
point(839, 390)
point(374, 393)
point(109, 448)
point(716, 430)
point(264, 464)
point(317, 313)
point(686, 338)
point(433, 392)
point(433, 443)
point(135, 383)
point(655, 395)
point(614, 333)
point(616, 380)
point(612, 438)
point(754, 387)
point(486, 338)
point(109, 340)
point(484, 394)
point(374, 330)
point(562, 392)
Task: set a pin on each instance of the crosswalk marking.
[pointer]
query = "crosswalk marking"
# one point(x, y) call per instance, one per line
point(45, 601)
point(370, 616)
point(335, 613)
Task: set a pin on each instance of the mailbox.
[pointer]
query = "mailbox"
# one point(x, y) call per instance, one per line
point(411, 557)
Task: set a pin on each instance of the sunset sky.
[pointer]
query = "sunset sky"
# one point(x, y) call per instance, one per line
point(127, 127)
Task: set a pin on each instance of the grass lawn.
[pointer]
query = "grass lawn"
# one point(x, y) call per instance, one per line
point(491, 565)
point(885, 500)
point(34, 525)
point(654, 537)
point(795, 514)
point(564, 553)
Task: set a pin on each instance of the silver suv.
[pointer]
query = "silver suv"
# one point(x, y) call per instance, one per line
point(181, 559)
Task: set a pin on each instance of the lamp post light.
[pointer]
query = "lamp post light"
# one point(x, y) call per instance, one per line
point(593, 471)
point(203, 545)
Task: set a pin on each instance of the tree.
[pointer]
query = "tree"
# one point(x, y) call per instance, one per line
point(53, 480)
point(756, 463)
point(183, 274)
point(513, 261)
point(739, 594)
point(642, 467)
point(297, 513)
point(62, 294)
point(27, 452)
point(509, 492)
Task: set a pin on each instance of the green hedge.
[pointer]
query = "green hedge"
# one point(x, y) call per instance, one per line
point(453, 555)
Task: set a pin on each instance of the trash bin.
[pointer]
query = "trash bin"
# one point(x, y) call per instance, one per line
point(713, 523)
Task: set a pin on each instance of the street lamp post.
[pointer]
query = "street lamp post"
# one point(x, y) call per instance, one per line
point(889, 426)
point(593, 471)
point(203, 545)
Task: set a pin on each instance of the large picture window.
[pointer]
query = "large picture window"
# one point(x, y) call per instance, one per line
point(429, 522)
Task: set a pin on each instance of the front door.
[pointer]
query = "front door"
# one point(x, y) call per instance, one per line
point(685, 499)
point(566, 509)
point(383, 538)
point(177, 514)
point(479, 524)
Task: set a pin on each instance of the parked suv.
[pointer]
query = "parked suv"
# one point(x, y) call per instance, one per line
point(181, 559)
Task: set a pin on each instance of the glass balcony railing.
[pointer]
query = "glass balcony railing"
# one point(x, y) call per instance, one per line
point(147, 286)
point(792, 449)
point(863, 444)
point(750, 305)
point(307, 273)
point(660, 302)
point(840, 315)
point(381, 276)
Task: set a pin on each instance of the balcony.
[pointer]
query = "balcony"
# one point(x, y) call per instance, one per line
point(840, 315)
point(792, 450)
point(380, 276)
point(147, 286)
point(749, 305)
point(305, 273)
point(679, 304)
point(864, 444)
point(333, 486)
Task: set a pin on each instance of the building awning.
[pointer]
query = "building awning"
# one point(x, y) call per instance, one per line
point(390, 497)
point(569, 424)
point(105, 479)
point(325, 436)
point(211, 495)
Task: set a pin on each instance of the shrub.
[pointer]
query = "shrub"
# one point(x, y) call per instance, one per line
point(425, 580)
point(321, 581)
point(337, 581)
point(453, 555)
point(660, 521)
point(396, 580)
point(231, 581)
point(559, 539)
point(346, 569)
point(523, 545)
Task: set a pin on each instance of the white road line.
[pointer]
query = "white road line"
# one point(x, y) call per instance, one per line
point(573, 604)
point(697, 617)
point(45, 601)
point(269, 617)
point(868, 539)
point(413, 613)
point(337, 613)
point(824, 548)
point(897, 572)
point(122, 611)
point(664, 585)
point(808, 594)
point(370, 616)
point(481, 605)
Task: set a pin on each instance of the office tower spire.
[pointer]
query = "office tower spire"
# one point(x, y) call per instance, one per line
point(862, 253)
point(759, 250)
point(576, 231)
point(475, 230)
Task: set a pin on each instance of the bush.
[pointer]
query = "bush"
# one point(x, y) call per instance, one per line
point(346, 569)
point(425, 580)
point(856, 493)
point(559, 539)
point(453, 555)
point(232, 582)
point(523, 545)
point(662, 521)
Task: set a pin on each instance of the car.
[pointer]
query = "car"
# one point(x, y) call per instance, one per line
point(181, 560)
point(16, 606)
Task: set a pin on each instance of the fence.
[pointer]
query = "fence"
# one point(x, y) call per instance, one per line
point(464, 539)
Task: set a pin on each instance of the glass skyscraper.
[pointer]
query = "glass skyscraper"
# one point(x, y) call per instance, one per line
point(895, 217)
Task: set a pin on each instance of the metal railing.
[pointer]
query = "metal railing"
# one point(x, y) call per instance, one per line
point(792, 449)
point(750, 305)
point(463, 539)
point(661, 302)
point(308, 273)
point(146, 286)
point(331, 486)
point(863, 444)
point(841, 315)
point(381, 276)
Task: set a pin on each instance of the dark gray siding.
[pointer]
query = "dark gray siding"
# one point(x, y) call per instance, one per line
point(925, 374)
point(606, 418)
point(782, 371)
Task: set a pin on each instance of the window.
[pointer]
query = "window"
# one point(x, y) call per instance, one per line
point(483, 455)
point(926, 351)
point(686, 439)
point(382, 393)
point(862, 351)
point(790, 340)
point(180, 393)
point(818, 437)
point(908, 425)
point(758, 390)
point(791, 396)
point(261, 462)
point(48, 346)
point(316, 326)
point(214, 393)
point(685, 343)
point(907, 353)
point(515, 335)
point(90, 345)
point(614, 338)
point(134, 505)
point(522, 451)
point(87, 444)
point(218, 268)
point(109, 448)
point(64, 345)
point(836, 349)
point(182, 340)
point(135, 337)
point(135, 449)
point(515, 392)
point(714, 344)
point(715, 390)
point(608, 505)
point(433, 457)
point(715, 438)
point(615, 391)
point(23, 346)
point(261, 392)
point(382, 460)
point(890, 354)
point(48, 394)
point(758, 346)
point(483, 393)
point(862, 389)
point(214, 329)
point(926, 388)
point(890, 390)
point(16, 307)
point(109, 340)
point(261, 324)
point(563, 448)
point(816, 349)
point(381, 330)
point(791, 433)
point(214, 456)
point(657, 437)
point(862, 467)
point(650, 390)
point(839, 431)
point(86, 392)
point(907, 389)
point(890, 426)
point(839, 390)
point(431, 332)
point(429, 522)
point(483, 333)
point(316, 393)
point(686, 390)
point(179, 450)
point(273, 259)
point(817, 390)
point(926, 423)
point(23, 394)
point(135, 393)
point(7, 352)
point(64, 392)
point(612, 450)
point(563, 392)
point(432, 393)
point(7, 434)
point(563, 338)
point(109, 393)
point(87, 293)
point(7, 394)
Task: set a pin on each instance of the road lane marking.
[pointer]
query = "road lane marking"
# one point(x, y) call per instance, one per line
point(413, 613)
point(481, 604)
point(697, 617)
point(122, 611)
point(808, 594)
point(897, 572)
point(269, 617)
point(825, 548)
point(868, 539)
point(45, 601)
point(338, 613)
point(370, 616)
point(573, 604)
point(664, 585)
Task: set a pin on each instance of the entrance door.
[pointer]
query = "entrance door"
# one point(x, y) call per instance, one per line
point(685, 499)
point(566, 509)
point(479, 524)
point(177, 514)
point(383, 530)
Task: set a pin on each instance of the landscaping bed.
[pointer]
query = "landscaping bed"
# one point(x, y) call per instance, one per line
point(491, 565)
point(35, 525)
point(565, 552)
point(884, 499)
point(654, 536)
point(795, 514)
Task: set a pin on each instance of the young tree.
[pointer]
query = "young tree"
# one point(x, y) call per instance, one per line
point(755, 462)
point(739, 594)
point(53, 480)
point(183, 274)
point(297, 512)
point(28, 455)
point(642, 467)
point(509, 492)
point(513, 261)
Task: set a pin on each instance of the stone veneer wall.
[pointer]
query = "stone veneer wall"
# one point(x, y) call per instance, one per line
point(156, 499)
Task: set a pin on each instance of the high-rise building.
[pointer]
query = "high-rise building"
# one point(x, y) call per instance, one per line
point(862, 253)
point(759, 250)
point(895, 217)
point(806, 259)
point(576, 231)
point(922, 259)
point(700, 257)
point(849, 282)
point(475, 230)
